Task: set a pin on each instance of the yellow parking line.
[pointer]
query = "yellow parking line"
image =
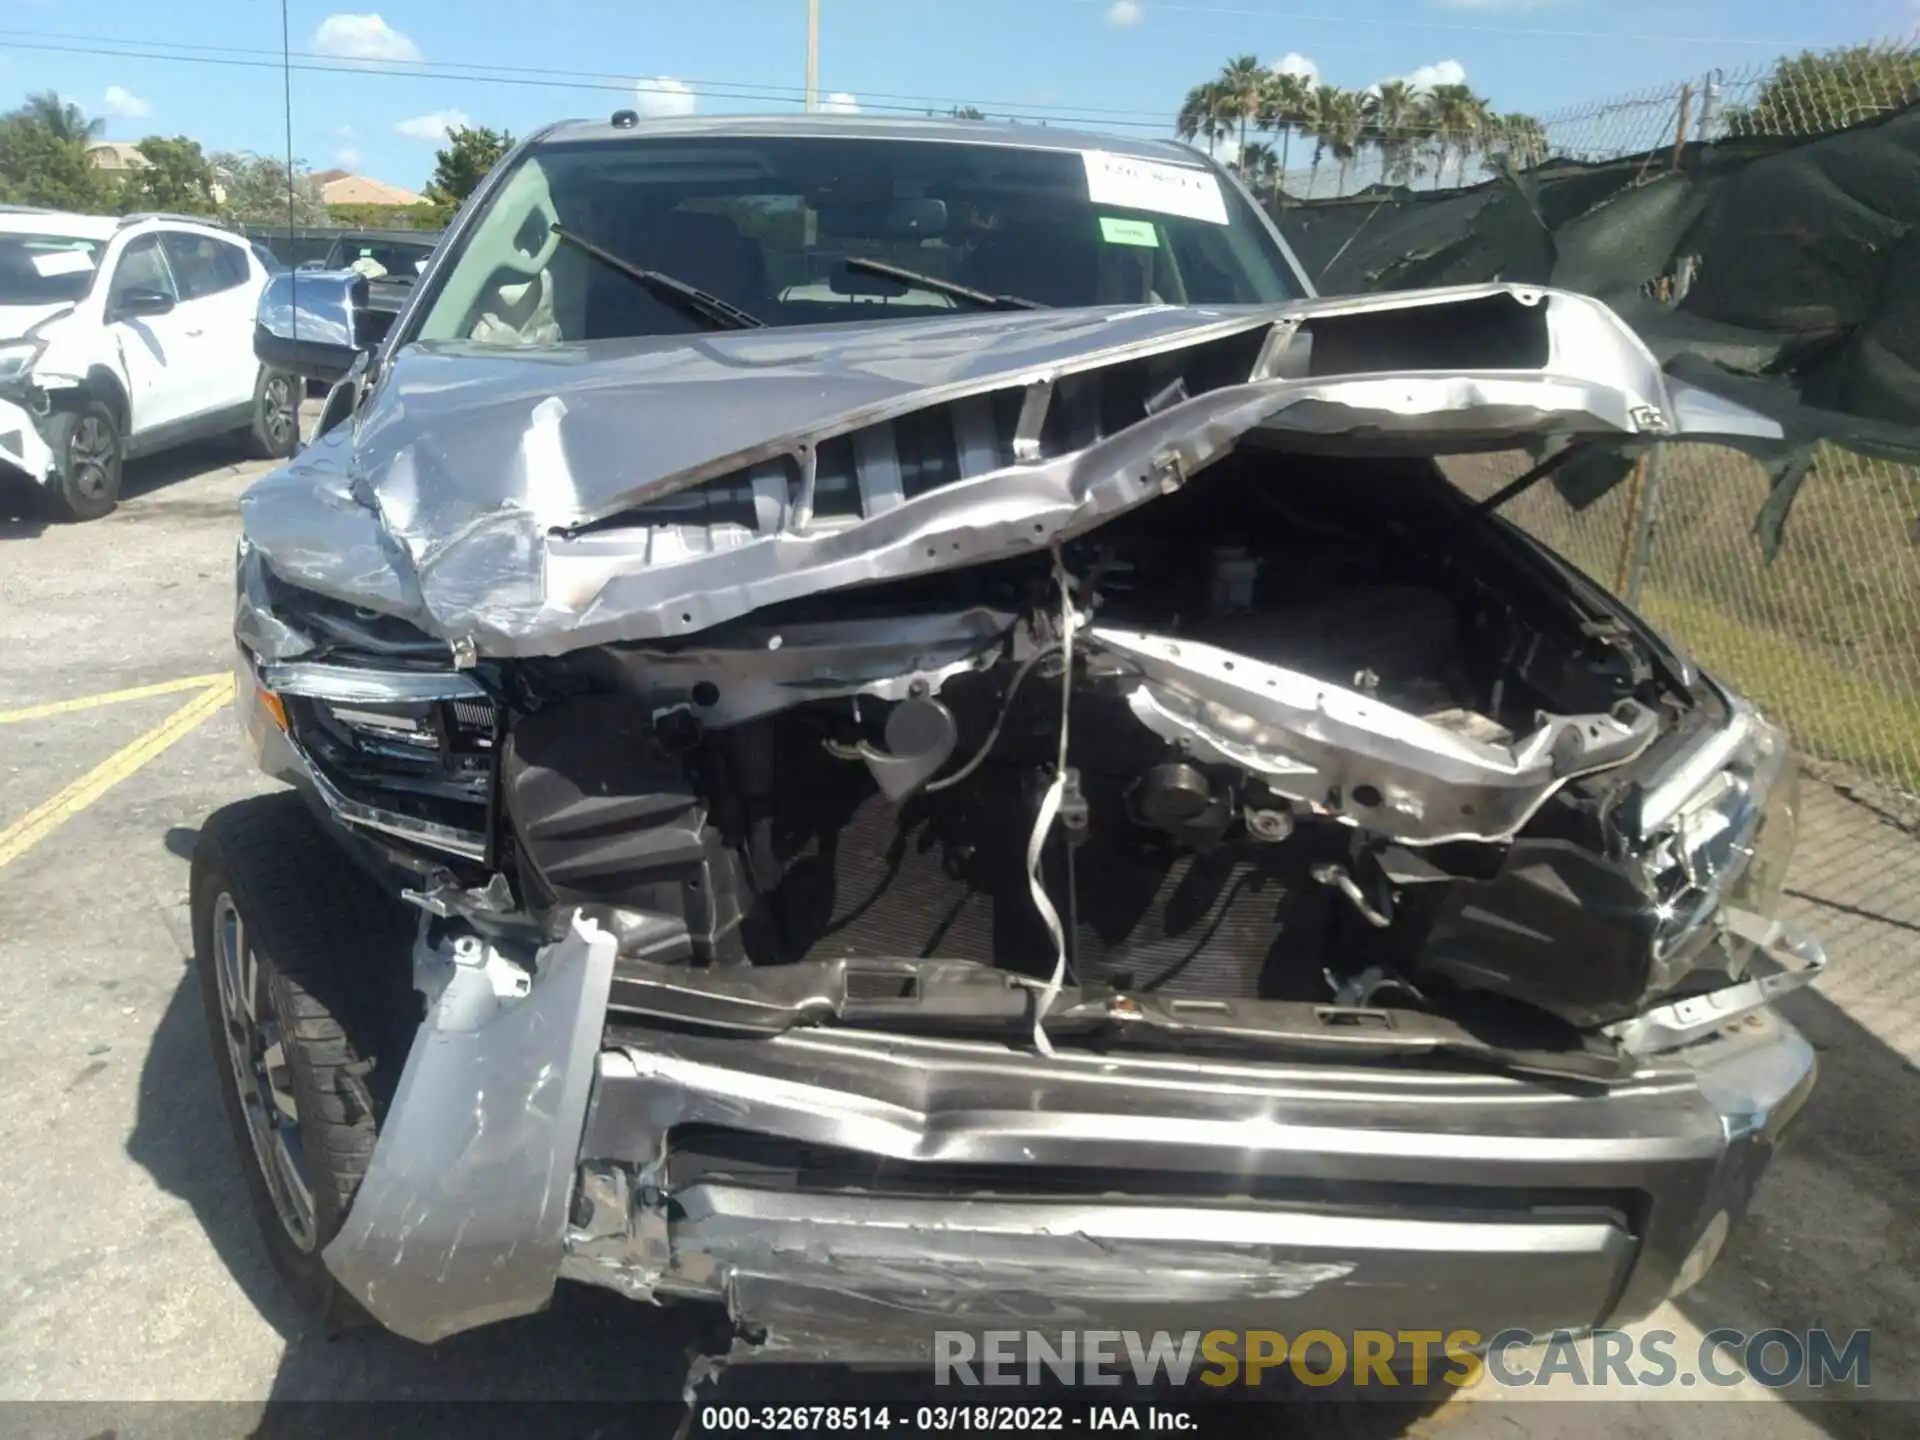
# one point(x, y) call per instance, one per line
point(112, 697)
point(32, 828)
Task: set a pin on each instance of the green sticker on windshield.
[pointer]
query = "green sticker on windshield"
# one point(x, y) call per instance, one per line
point(1116, 231)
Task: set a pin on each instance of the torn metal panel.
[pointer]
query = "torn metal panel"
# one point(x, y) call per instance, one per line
point(499, 498)
point(1362, 761)
point(462, 1217)
point(757, 670)
point(841, 1271)
point(23, 449)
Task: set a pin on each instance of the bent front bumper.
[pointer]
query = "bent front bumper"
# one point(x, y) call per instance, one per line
point(23, 450)
point(845, 1194)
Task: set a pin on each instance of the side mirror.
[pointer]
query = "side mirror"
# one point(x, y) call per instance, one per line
point(316, 324)
point(134, 302)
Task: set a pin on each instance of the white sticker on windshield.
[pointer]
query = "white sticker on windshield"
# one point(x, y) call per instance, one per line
point(1134, 184)
point(62, 262)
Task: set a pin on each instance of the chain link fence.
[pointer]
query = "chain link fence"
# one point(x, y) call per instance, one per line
point(1825, 638)
point(1809, 94)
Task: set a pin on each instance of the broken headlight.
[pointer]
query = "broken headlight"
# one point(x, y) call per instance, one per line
point(18, 358)
point(410, 754)
point(1725, 844)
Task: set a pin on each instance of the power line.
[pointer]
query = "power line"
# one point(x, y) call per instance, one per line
point(1529, 31)
point(548, 78)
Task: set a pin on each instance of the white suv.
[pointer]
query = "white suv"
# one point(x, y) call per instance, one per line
point(122, 336)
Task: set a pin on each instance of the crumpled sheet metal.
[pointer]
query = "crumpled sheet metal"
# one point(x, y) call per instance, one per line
point(765, 669)
point(847, 1276)
point(441, 502)
point(461, 1219)
point(22, 447)
point(1386, 769)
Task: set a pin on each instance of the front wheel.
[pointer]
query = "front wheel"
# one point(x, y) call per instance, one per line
point(274, 432)
point(303, 966)
point(87, 456)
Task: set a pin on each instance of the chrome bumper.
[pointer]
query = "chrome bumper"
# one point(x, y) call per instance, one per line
point(845, 1194)
point(1343, 1199)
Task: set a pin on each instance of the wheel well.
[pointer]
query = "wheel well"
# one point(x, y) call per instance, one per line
point(101, 384)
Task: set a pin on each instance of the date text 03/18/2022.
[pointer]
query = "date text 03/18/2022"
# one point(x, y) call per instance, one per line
point(944, 1419)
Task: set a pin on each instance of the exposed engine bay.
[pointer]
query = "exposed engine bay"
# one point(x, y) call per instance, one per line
point(889, 812)
point(1422, 820)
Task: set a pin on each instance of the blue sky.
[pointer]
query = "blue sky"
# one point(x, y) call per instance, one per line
point(1112, 60)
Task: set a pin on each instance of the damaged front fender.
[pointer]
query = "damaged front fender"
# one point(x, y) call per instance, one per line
point(462, 1217)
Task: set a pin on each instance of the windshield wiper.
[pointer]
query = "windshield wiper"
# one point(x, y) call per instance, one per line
point(943, 287)
point(694, 303)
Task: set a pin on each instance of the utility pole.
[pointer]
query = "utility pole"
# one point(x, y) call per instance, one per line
point(813, 55)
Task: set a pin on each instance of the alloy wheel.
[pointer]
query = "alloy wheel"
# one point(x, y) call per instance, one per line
point(90, 457)
point(280, 411)
point(262, 1072)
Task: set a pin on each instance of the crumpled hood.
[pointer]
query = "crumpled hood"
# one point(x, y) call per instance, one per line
point(455, 498)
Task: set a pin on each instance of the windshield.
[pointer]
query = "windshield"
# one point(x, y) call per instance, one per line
point(768, 225)
point(46, 269)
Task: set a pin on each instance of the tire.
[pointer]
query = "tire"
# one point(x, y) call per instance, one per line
point(274, 432)
point(330, 983)
point(88, 453)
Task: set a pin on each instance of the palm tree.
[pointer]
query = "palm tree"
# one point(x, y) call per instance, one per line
point(1395, 114)
point(1242, 86)
point(1202, 114)
point(61, 119)
point(1260, 168)
point(1283, 108)
point(1522, 138)
point(1343, 121)
point(1323, 105)
point(1460, 120)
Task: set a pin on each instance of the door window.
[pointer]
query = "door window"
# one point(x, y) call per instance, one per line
point(141, 267)
point(203, 265)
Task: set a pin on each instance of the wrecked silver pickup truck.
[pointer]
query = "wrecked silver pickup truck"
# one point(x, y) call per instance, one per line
point(893, 728)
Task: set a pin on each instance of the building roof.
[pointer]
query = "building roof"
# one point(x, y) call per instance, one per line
point(116, 155)
point(340, 188)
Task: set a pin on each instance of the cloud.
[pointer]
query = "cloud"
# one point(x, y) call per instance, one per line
point(840, 103)
point(1444, 72)
point(434, 125)
point(1126, 13)
point(346, 157)
point(660, 96)
point(124, 104)
point(361, 37)
point(1225, 149)
point(1294, 63)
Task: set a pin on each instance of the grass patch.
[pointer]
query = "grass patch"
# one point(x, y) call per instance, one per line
point(1832, 712)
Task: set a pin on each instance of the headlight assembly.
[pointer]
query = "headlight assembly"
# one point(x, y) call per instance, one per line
point(408, 753)
point(1725, 846)
point(17, 360)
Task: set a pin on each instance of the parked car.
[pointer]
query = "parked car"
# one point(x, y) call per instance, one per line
point(391, 260)
point(124, 336)
point(997, 784)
